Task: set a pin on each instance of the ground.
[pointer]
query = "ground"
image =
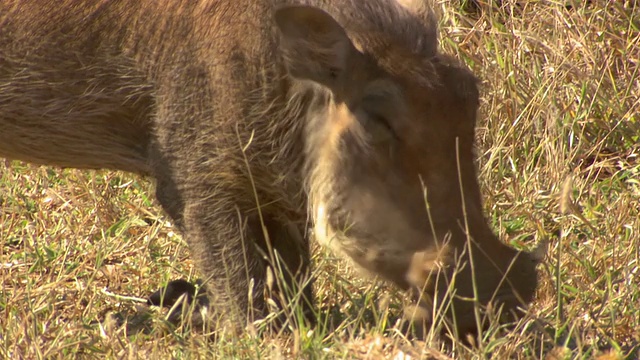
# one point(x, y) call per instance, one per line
point(558, 151)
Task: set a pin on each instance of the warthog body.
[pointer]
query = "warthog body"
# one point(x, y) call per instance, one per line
point(256, 118)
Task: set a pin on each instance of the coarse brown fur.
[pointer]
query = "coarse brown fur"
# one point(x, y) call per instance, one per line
point(256, 116)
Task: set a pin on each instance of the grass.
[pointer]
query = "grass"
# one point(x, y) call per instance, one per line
point(558, 155)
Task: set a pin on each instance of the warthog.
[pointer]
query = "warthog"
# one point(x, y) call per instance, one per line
point(257, 118)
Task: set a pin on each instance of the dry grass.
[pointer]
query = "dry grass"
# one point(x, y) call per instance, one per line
point(558, 153)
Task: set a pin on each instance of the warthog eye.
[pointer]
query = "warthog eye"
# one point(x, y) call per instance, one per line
point(382, 121)
point(379, 129)
point(383, 108)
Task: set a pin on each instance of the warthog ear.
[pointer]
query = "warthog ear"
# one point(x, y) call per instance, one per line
point(314, 45)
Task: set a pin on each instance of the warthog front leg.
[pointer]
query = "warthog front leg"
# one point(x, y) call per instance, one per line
point(242, 268)
point(285, 251)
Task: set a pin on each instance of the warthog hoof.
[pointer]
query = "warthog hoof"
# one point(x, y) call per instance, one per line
point(178, 296)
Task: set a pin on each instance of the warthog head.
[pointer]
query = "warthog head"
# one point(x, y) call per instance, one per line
point(389, 148)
